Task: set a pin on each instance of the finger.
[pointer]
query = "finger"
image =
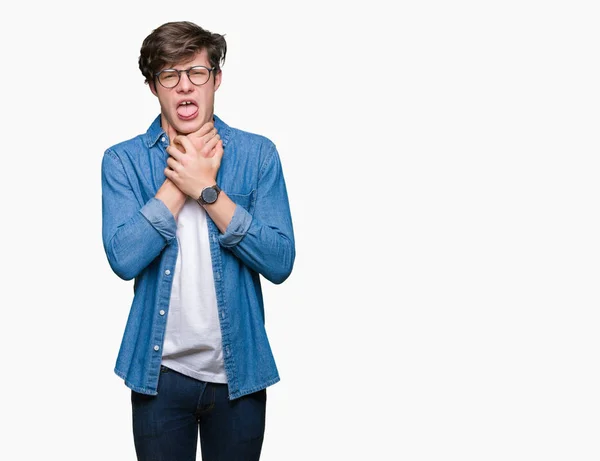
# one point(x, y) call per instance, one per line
point(173, 164)
point(174, 152)
point(203, 130)
point(210, 145)
point(177, 144)
point(187, 147)
point(211, 134)
point(186, 143)
point(208, 126)
point(172, 133)
point(218, 151)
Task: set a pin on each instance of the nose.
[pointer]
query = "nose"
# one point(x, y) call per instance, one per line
point(185, 85)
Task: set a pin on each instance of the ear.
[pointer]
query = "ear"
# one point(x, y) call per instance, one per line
point(153, 88)
point(218, 78)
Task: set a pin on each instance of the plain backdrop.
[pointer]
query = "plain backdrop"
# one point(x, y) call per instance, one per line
point(442, 164)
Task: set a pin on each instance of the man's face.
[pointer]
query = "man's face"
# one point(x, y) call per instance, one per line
point(186, 107)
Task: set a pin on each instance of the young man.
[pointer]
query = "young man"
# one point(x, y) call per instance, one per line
point(195, 210)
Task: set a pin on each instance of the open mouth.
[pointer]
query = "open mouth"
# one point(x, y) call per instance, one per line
point(187, 110)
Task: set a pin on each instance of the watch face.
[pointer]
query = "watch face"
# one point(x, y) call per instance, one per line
point(209, 195)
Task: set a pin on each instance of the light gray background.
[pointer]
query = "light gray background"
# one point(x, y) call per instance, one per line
point(442, 167)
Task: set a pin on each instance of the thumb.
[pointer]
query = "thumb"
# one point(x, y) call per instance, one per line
point(218, 151)
point(185, 142)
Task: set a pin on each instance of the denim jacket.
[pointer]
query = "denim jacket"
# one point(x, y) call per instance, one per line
point(139, 237)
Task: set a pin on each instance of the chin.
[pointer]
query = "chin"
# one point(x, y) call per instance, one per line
point(189, 126)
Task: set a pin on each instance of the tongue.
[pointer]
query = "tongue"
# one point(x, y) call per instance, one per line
point(186, 110)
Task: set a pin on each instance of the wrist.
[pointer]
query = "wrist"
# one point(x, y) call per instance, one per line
point(171, 196)
point(200, 186)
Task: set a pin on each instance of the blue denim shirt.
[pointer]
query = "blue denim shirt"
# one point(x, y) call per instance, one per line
point(139, 236)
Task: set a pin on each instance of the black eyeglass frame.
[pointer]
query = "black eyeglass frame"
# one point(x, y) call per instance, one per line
point(187, 71)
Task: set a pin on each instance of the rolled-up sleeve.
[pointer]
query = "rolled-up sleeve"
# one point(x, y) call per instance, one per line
point(133, 234)
point(264, 240)
point(237, 228)
point(161, 218)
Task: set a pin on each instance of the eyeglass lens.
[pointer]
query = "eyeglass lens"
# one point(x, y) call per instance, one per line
point(169, 78)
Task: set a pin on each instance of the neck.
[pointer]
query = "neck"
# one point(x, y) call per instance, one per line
point(172, 132)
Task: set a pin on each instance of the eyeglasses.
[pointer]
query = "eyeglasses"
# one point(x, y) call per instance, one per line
point(198, 75)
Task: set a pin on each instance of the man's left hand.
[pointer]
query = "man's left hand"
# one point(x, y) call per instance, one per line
point(194, 160)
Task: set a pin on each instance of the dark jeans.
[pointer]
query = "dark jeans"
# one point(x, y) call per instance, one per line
point(165, 426)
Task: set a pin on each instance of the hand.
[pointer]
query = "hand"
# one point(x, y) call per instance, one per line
point(195, 160)
point(201, 137)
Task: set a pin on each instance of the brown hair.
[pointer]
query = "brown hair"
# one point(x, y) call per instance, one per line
point(175, 42)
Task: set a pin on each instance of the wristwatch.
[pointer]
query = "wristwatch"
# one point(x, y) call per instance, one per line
point(209, 195)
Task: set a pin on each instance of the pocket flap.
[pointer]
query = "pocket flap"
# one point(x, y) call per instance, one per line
point(246, 201)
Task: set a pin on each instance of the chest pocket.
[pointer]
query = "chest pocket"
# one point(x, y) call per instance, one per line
point(246, 201)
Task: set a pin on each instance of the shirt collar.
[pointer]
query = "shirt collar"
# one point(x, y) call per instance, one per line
point(154, 132)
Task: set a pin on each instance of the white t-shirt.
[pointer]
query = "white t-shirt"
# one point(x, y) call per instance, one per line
point(192, 343)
